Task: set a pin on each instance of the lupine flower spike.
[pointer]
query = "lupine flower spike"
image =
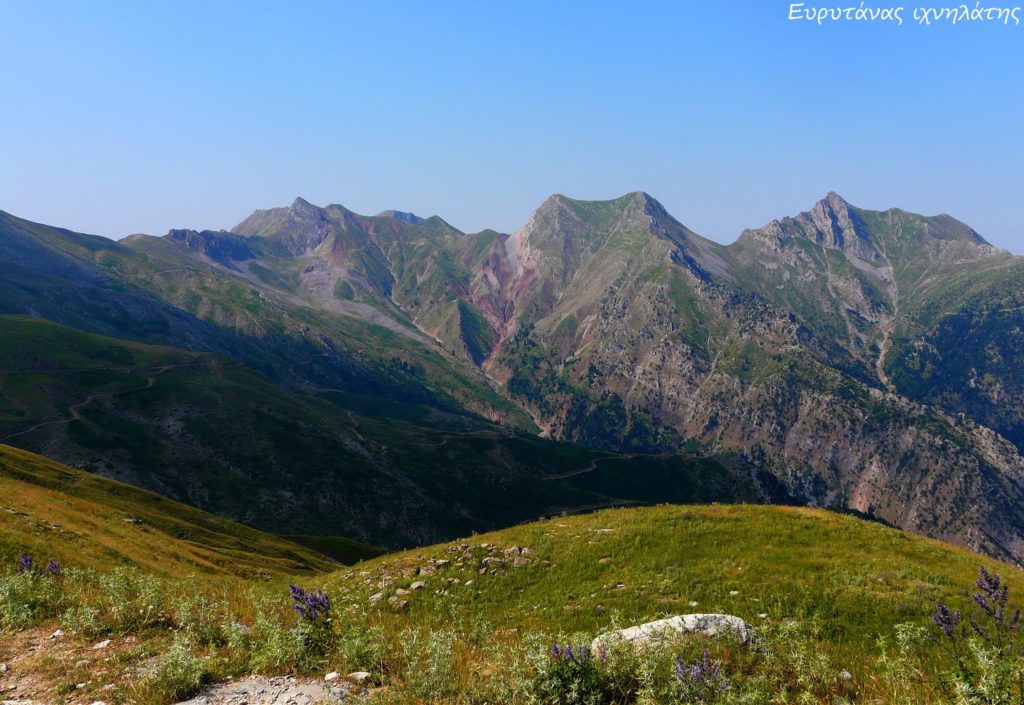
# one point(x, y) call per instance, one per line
point(701, 680)
point(311, 606)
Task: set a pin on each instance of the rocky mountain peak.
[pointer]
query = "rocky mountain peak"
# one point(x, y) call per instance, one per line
point(404, 216)
point(836, 223)
point(301, 205)
point(300, 227)
point(834, 202)
point(221, 247)
point(831, 222)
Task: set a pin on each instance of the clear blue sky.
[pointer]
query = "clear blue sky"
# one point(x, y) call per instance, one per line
point(137, 117)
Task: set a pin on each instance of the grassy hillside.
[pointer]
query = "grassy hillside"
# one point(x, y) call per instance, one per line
point(49, 510)
point(841, 608)
point(853, 577)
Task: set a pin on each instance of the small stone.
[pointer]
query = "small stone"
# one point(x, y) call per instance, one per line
point(605, 560)
point(98, 702)
point(82, 663)
point(514, 551)
point(359, 677)
point(401, 591)
point(693, 603)
point(3, 668)
point(333, 675)
point(102, 645)
point(376, 597)
point(734, 593)
point(468, 582)
point(520, 562)
point(418, 585)
point(397, 602)
point(763, 615)
point(57, 634)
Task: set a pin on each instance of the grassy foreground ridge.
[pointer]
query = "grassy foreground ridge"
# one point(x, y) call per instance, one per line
point(842, 609)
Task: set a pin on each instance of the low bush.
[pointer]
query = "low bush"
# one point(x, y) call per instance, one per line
point(179, 673)
point(29, 593)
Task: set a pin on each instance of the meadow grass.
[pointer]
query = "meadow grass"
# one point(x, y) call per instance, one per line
point(842, 611)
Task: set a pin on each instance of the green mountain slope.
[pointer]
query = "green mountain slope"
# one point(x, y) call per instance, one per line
point(920, 304)
point(210, 432)
point(632, 331)
point(53, 511)
point(153, 291)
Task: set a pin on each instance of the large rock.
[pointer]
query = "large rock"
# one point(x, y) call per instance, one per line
point(652, 634)
point(281, 690)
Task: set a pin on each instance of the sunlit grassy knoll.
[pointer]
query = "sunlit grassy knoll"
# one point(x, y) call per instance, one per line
point(53, 511)
point(854, 578)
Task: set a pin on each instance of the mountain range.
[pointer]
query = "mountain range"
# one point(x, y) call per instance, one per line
point(313, 371)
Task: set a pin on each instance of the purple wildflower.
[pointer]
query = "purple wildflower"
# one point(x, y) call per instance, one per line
point(25, 563)
point(945, 620)
point(54, 569)
point(702, 680)
point(566, 654)
point(311, 606)
point(992, 597)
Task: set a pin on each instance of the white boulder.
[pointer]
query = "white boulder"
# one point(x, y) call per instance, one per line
point(652, 634)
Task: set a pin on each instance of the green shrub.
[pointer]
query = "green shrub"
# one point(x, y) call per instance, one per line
point(204, 619)
point(502, 672)
point(271, 643)
point(29, 596)
point(82, 619)
point(130, 600)
point(363, 648)
point(570, 675)
point(430, 669)
point(179, 673)
point(899, 668)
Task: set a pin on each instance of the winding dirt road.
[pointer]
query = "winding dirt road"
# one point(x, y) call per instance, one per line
point(74, 411)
